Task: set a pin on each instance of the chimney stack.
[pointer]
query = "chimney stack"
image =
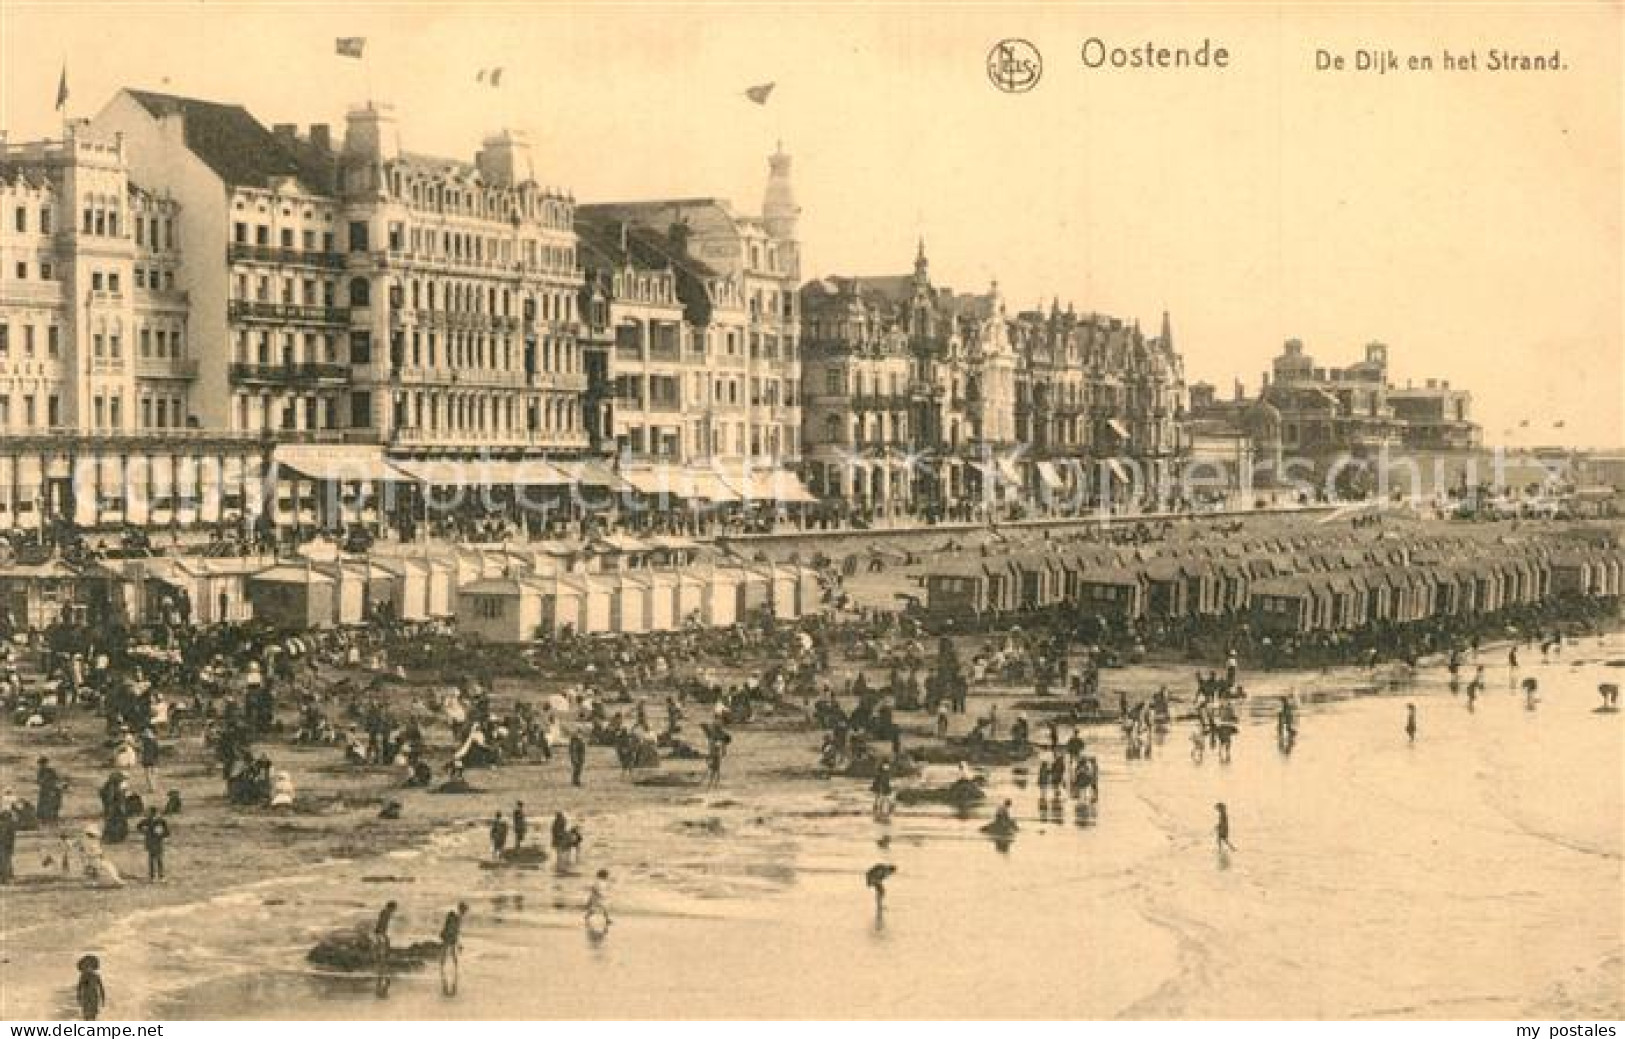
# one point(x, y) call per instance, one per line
point(321, 136)
point(285, 132)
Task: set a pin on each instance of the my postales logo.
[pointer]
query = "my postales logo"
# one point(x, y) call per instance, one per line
point(1014, 66)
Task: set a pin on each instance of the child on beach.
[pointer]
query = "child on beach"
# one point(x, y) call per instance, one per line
point(92, 994)
point(598, 902)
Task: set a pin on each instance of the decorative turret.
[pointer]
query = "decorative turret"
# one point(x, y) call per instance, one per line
point(779, 209)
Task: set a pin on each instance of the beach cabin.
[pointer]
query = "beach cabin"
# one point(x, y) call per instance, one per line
point(1282, 606)
point(564, 603)
point(956, 588)
point(220, 587)
point(442, 587)
point(411, 586)
point(36, 595)
point(349, 592)
point(600, 604)
point(786, 596)
point(293, 597)
point(689, 596)
point(755, 589)
point(1171, 589)
point(1115, 593)
point(720, 606)
point(500, 609)
point(637, 602)
point(663, 615)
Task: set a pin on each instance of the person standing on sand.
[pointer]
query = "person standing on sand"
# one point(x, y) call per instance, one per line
point(499, 835)
point(520, 826)
point(8, 845)
point(1221, 834)
point(380, 935)
point(876, 878)
point(598, 901)
point(451, 940)
point(578, 757)
point(1410, 721)
point(154, 832)
point(90, 991)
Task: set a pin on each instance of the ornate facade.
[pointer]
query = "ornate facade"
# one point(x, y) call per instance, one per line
point(98, 351)
point(918, 396)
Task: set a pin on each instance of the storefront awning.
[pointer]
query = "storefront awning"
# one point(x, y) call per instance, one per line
point(590, 473)
point(1050, 475)
point(708, 486)
point(1117, 470)
point(767, 485)
point(1118, 428)
point(346, 463)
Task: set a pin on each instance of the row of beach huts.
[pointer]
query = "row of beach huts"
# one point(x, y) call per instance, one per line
point(611, 585)
point(1283, 585)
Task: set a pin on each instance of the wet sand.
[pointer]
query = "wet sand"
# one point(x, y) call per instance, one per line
point(1122, 914)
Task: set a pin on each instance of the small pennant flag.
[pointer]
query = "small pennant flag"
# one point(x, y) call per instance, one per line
point(1558, 424)
point(759, 93)
point(490, 77)
point(350, 46)
point(62, 90)
point(1524, 424)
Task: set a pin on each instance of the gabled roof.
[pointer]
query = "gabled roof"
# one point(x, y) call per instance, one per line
point(229, 140)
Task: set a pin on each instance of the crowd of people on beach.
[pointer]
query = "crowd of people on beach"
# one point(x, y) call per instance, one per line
point(884, 693)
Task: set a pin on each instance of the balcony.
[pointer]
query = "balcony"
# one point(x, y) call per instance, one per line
point(242, 253)
point(248, 310)
point(881, 402)
point(303, 373)
point(411, 436)
point(166, 368)
point(572, 382)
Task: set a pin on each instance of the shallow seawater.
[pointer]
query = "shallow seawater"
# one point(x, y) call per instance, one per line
point(1476, 873)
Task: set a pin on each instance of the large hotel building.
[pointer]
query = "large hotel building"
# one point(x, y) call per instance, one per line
point(210, 322)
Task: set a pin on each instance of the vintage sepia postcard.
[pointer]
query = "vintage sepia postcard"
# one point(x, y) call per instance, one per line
point(754, 511)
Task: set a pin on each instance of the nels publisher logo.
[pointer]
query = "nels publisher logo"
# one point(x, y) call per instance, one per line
point(1014, 66)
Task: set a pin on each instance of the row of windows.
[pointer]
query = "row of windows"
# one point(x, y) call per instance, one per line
point(161, 342)
point(254, 412)
point(258, 348)
point(20, 220)
point(154, 279)
point(260, 234)
point(765, 441)
point(29, 413)
point(461, 247)
point(29, 335)
point(481, 351)
point(502, 205)
point(162, 412)
point(483, 413)
point(47, 272)
point(470, 298)
point(155, 233)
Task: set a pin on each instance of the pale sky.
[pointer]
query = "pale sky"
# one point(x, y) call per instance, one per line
point(1471, 220)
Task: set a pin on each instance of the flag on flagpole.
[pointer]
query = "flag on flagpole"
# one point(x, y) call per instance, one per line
point(1558, 424)
point(350, 46)
point(1524, 424)
point(760, 92)
point(490, 77)
point(62, 90)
